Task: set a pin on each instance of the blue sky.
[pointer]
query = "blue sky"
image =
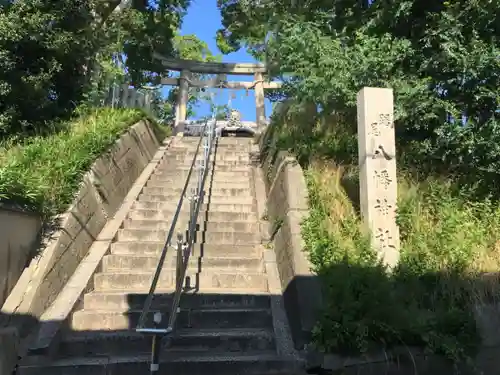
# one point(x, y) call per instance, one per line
point(203, 19)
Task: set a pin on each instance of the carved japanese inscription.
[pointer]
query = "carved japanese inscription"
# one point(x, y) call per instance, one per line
point(382, 178)
point(383, 206)
point(384, 238)
point(378, 184)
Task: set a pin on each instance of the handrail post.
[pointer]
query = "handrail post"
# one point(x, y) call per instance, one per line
point(192, 205)
point(179, 260)
point(155, 346)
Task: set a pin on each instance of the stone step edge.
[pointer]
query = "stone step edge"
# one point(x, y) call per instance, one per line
point(186, 207)
point(182, 356)
point(196, 245)
point(205, 291)
point(202, 212)
point(194, 258)
point(76, 336)
point(167, 223)
point(225, 310)
point(219, 271)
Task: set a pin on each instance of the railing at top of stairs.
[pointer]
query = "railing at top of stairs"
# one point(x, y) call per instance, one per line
point(183, 246)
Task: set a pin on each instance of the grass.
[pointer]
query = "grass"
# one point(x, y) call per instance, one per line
point(43, 173)
point(449, 247)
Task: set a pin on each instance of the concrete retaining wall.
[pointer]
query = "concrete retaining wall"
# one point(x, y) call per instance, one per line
point(18, 241)
point(286, 207)
point(100, 196)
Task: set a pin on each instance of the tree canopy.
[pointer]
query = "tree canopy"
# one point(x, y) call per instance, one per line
point(189, 47)
point(440, 57)
point(49, 50)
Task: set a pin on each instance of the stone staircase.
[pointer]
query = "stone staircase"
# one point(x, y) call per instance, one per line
point(226, 323)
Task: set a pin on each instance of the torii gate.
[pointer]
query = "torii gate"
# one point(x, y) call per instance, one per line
point(186, 67)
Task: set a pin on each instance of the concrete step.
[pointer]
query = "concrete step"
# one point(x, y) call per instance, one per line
point(221, 166)
point(205, 250)
point(220, 155)
point(138, 280)
point(217, 170)
point(187, 159)
point(210, 191)
point(223, 151)
point(95, 320)
point(217, 226)
point(214, 207)
point(205, 299)
point(254, 363)
point(192, 146)
point(129, 342)
point(246, 199)
point(214, 183)
point(226, 237)
point(210, 216)
point(222, 141)
point(178, 180)
point(220, 170)
point(116, 262)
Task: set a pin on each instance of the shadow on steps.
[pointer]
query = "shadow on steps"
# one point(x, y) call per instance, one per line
point(223, 333)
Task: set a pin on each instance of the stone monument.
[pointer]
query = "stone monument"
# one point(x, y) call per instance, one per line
point(377, 163)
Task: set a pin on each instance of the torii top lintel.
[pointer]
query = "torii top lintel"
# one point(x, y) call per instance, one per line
point(211, 67)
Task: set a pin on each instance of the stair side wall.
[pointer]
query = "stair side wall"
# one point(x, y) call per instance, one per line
point(287, 206)
point(100, 195)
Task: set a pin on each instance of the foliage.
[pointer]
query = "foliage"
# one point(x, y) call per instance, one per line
point(222, 112)
point(149, 26)
point(44, 173)
point(427, 301)
point(50, 51)
point(447, 243)
point(441, 59)
point(189, 47)
point(43, 46)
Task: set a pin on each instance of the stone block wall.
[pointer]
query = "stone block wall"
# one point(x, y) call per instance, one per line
point(286, 207)
point(101, 193)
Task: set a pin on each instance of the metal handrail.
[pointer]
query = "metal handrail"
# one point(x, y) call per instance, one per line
point(184, 247)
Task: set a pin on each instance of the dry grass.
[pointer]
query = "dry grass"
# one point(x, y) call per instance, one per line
point(449, 260)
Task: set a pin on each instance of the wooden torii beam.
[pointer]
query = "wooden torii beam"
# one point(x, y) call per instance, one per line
point(186, 67)
point(211, 67)
point(223, 84)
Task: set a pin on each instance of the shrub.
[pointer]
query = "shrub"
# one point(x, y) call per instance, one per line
point(449, 241)
point(427, 300)
point(44, 173)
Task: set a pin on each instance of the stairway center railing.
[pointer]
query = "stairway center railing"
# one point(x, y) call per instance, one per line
point(184, 245)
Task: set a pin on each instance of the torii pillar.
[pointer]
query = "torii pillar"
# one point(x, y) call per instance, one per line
point(259, 100)
point(182, 100)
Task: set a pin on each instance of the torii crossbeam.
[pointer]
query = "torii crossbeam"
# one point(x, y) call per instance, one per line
point(186, 67)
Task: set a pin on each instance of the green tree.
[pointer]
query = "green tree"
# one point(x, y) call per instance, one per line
point(50, 50)
point(440, 57)
point(44, 46)
point(189, 47)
